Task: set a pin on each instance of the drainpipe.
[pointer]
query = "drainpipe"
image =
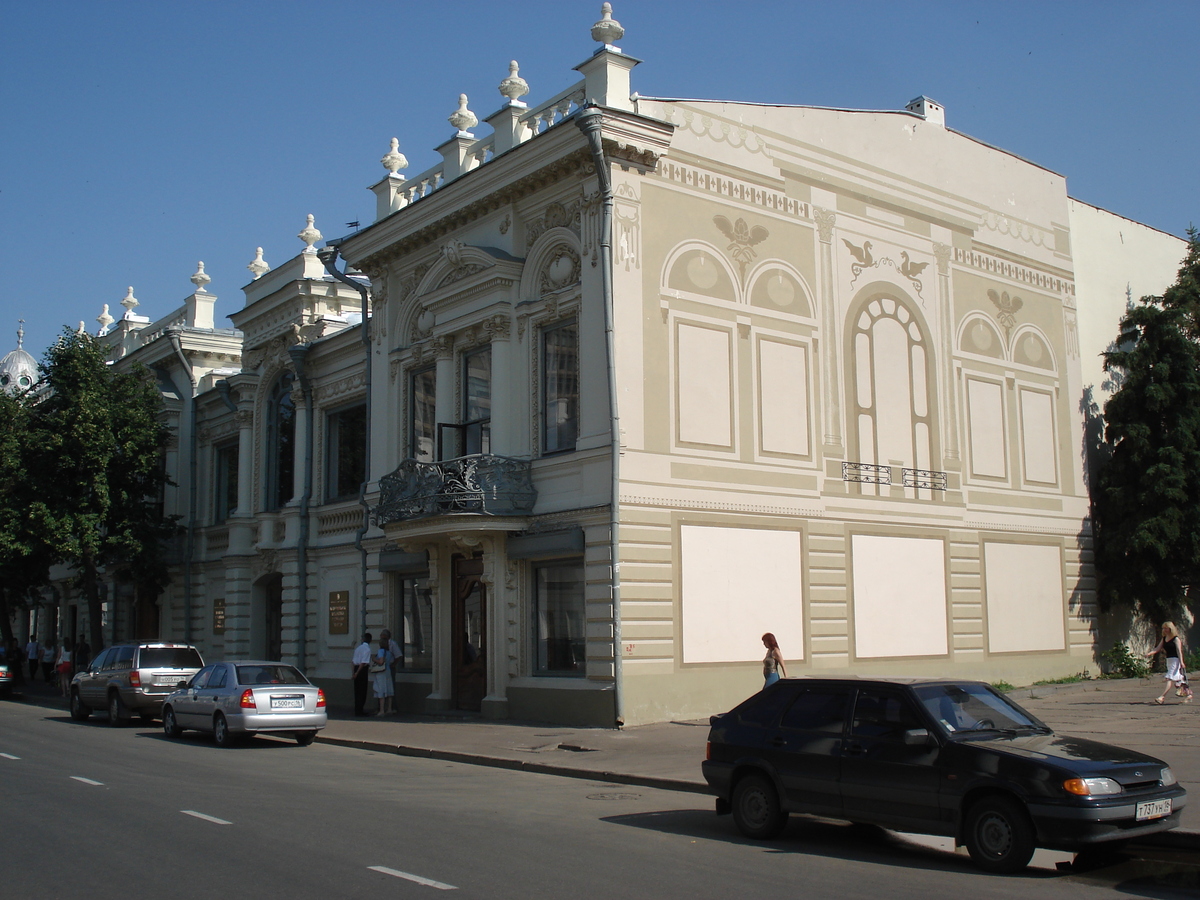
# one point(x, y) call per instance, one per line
point(189, 552)
point(298, 352)
point(590, 121)
point(328, 256)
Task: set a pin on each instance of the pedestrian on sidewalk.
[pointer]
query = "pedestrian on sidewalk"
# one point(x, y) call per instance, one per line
point(381, 671)
point(63, 666)
point(33, 655)
point(49, 655)
point(83, 654)
point(391, 645)
point(1171, 646)
point(773, 661)
point(362, 665)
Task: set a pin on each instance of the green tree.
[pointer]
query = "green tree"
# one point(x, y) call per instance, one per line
point(100, 484)
point(1146, 500)
point(24, 556)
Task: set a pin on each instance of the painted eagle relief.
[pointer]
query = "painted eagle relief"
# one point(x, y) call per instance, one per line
point(742, 239)
point(1006, 309)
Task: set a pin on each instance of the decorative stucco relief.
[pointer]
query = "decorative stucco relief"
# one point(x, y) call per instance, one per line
point(864, 259)
point(742, 239)
point(732, 189)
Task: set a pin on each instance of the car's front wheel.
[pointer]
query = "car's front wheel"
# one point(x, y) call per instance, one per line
point(999, 835)
point(304, 738)
point(79, 710)
point(221, 733)
point(756, 809)
point(170, 726)
point(118, 714)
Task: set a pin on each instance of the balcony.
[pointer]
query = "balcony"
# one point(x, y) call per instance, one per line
point(482, 485)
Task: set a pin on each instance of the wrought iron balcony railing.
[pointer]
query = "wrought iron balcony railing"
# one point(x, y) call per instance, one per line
point(867, 473)
point(483, 484)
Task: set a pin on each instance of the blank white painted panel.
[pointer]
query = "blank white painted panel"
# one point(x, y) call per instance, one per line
point(1037, 434)
point(1024, 584)
point(702, 371)
point(986, 401)
point(899, 596)
point(783, 397)
point(738, 583)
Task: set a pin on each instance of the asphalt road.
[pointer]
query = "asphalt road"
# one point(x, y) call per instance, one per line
point(96, 812)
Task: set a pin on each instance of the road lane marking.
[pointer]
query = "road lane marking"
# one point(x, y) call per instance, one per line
point(9, 756)
point(87, 780)
point(200, 815)
point(428, 882)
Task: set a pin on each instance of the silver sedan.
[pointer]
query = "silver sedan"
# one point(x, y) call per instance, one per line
point(246, 697)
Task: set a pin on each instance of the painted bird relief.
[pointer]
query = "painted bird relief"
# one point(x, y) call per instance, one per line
point(1006, 309)
point(742, 239)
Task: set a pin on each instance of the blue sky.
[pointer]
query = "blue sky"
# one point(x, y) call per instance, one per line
point(140, 137)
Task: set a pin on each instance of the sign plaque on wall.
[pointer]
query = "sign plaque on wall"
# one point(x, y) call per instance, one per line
point(219, 616)
point(339, 612)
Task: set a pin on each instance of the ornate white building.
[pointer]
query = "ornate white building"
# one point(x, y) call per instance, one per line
point(810, 371)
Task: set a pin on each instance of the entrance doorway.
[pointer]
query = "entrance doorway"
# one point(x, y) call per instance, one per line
point(469, 634)
point(266, 618)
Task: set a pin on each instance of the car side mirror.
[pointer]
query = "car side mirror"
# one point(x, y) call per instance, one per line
point(181, 686)
point(916, 737)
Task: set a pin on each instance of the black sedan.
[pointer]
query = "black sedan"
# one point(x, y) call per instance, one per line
point(953, 758)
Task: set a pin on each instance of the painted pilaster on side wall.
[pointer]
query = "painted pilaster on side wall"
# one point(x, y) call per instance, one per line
point(831, 366)
point(951, 460)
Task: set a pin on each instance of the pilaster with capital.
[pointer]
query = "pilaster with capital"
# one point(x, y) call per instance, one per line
point(499, 328)
point(942, 253)
point(831, 368)
point(444, 400)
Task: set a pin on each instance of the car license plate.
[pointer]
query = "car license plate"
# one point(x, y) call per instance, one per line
point(1153, 809)
point(298, 703)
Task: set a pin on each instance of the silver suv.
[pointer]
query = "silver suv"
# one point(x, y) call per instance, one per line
point(132, 678)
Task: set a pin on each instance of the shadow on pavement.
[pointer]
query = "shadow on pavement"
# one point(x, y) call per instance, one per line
point(812, 836)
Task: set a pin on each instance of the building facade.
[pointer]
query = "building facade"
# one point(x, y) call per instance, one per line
point(842, 353)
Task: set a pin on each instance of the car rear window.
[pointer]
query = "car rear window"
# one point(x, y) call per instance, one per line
point(269, 675)
point(764, 707)
point(170, 658)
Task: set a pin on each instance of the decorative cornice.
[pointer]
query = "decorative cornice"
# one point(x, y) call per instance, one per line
point(732, 188)
point(576, 163)
point(994, 265)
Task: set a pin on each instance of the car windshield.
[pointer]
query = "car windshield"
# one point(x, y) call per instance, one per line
point(269, 674)
point(973, 708)
point(169, 658)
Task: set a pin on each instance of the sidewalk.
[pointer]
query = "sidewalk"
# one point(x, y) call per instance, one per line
point(668, 755)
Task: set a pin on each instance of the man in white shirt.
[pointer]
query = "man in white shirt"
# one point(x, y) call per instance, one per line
point(33, 655)
point(362, 665)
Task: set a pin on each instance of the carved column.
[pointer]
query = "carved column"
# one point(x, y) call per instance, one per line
point(241, 523)
point(444, 403)
point(831, 368)
point(498, 328)
point(301, 441)
point(941, 253)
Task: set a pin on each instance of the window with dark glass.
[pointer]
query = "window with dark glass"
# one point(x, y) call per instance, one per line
point(414, 630)
point(347, 453)
point(225, 481)
point(884, 715)
point(477, 402)
point(560, 646)
point(281, 443)
point(819, 709)
point(423, 422)
point(560, 387)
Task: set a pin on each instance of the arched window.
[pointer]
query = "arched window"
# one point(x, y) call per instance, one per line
point(281, 443)
point(890, 392)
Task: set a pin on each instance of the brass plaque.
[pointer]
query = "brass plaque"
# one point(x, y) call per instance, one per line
point(219, 616)
point(339, 612)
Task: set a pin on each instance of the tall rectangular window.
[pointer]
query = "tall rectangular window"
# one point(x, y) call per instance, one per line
point(560, 387)
point(477, 402)
point(225, 481)
point(422, 424)
point(560, 646)
point(414, 629)
point(347, 453)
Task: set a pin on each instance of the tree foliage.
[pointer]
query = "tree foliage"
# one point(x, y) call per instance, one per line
point(97, 469)
point(1146, 501)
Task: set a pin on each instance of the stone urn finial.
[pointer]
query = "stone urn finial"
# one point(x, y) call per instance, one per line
point(258, 266)
point(514, 87)
point(462, 118)
point(394, 160)
point(105, 320)
point(607, 29)
point(200, 279)
point(130, 302)
point(310, 235)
